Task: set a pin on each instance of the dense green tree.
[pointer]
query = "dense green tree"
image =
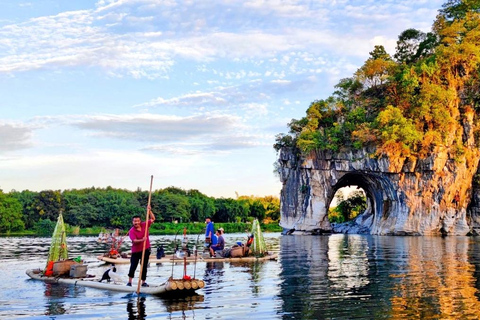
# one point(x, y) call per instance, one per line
point(175, 190)
point(78, 210)
point(173, 206)
point(458, 9)
point(257, 210)
point(272, 208)
point(114, 208)
point(376, 69)
point(201, 206)
point(26, 199)
point(230, 210)
point(414, 44)
point(10, 214)
point(349, 208)
point(44, 227)
point(48, 204)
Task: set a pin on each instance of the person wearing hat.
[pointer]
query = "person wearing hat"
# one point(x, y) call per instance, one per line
point(219, 246)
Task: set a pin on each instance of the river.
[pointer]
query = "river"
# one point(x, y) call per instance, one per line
point(315, 277)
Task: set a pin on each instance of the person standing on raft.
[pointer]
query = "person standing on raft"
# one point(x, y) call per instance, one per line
point(137, 235)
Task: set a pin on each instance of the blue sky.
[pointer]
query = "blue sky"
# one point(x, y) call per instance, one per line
point(107, 93)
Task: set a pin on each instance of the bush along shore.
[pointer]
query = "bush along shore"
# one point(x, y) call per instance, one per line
point(158, 228)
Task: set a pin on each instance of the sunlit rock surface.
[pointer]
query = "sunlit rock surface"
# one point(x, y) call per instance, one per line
point(437, 195)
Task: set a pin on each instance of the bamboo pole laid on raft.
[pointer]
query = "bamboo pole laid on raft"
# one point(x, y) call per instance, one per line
point(171, 285)
point(200, 284)
point(194, 284)
point(180, 285)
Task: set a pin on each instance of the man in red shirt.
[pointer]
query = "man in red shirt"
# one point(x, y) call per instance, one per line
point(137, 235)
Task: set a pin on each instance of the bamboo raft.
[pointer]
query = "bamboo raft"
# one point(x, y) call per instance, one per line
point(172, 287)
point(170, 259)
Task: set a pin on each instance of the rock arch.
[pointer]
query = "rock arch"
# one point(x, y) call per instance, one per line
point(406, 196)
point(382, 200)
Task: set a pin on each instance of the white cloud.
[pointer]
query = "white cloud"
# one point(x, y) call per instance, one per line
point(125, 39)
point(151, 127)
point(15, 137)
point(193, 99)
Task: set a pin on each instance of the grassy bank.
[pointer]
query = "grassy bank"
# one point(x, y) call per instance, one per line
point(162, 228)
point(196, 228)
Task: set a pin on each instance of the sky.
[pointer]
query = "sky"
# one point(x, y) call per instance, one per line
point(110, 92)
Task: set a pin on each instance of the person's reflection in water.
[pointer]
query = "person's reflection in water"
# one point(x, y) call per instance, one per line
point(136, 309)
point(213, 274)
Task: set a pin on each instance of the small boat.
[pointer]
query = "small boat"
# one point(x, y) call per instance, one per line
point(173, 287)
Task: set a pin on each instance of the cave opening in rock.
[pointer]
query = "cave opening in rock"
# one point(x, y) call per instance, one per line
point(347, 204)
point(350, 197)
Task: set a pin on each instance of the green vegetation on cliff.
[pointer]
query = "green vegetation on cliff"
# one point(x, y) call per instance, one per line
point(424, 97)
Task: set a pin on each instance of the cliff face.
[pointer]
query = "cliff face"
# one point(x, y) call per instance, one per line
point(436, 195)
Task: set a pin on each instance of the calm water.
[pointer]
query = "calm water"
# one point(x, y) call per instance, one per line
point(315, 277)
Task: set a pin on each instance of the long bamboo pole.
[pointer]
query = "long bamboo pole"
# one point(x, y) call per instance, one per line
point(146, 232)
point(184, 252)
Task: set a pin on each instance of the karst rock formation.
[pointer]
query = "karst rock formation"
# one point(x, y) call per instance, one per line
point(404, 128)
point(433, 196)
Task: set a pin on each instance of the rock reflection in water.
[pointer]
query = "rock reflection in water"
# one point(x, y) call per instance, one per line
point(438, 281)
point(348, 263)
point(375, 277)
point(304, 273)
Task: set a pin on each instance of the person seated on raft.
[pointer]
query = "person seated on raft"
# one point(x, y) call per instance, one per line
point(249, 243)
point(219, 245)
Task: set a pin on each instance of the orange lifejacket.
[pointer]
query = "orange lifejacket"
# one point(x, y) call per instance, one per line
point(49, 270)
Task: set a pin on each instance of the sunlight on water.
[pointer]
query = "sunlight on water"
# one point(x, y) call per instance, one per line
point(315, 277)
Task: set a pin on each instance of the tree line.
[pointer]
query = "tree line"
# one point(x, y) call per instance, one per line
point(114, 208)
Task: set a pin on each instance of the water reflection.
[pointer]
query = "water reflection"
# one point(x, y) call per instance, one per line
point(57, 306)
point(348, 263)
point(438, 281)
point(316, 277)
point(368, 277)
point(175, 308)
point(58, 294)
point(185, 306)
point(213, 276)
point(304, 274)
point(136, 309)
point(55, 309)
